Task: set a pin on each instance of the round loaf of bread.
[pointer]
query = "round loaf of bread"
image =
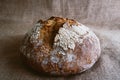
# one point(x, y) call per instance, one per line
point(60, 46)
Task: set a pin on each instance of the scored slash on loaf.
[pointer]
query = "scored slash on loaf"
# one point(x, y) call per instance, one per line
point(60, 46)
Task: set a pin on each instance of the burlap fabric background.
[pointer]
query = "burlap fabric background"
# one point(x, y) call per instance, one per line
point(18, 16)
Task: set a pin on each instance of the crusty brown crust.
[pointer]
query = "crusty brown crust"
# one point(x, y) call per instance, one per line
point(44, 51)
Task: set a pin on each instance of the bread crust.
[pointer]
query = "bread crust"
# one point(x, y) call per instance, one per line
point(60, 46)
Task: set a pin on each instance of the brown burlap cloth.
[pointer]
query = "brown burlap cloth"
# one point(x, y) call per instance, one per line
point(19, 16)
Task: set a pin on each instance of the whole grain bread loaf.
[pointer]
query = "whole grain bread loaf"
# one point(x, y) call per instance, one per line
point(60, 46)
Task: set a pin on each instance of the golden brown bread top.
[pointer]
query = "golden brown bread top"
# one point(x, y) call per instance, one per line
point(50, 28)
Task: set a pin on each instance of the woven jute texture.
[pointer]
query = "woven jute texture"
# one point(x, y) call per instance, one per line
point(19, 16)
